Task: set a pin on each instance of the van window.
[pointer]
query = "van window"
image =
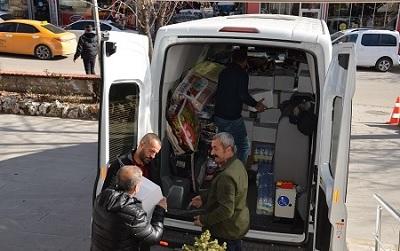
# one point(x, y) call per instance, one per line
point(26, 28)
point(123, 115)
point(388, 40)
point(336, 122)
point(352, 38)
point(370, 40)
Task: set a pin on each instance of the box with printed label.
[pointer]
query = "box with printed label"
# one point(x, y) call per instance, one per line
point(285, 199)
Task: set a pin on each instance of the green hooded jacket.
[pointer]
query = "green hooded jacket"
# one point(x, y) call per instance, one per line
point(227, 215)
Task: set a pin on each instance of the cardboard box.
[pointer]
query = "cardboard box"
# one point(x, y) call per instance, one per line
point(261, 82)
point(270, 116)
point(259, 94)
point(305, 84)
point(284, 83)
point(264, 134)
point(285, 201)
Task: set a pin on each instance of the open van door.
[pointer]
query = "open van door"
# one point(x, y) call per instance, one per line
point(334, 130)
point(126, 90)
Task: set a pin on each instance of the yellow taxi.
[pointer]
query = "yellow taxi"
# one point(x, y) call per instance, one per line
point(38, 38)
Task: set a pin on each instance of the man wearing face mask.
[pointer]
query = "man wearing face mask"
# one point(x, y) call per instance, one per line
point(142, 156)
point(226, 212)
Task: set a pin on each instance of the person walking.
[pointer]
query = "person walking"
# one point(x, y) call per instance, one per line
point(226, 214)
point(119, 220)
point(232, 92)
point(87, 49)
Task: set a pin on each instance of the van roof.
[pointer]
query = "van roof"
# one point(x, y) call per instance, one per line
point(280, 27)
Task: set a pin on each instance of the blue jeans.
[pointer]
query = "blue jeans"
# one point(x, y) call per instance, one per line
point(237, 129)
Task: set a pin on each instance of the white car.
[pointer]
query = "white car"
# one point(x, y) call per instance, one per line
point(374, 48)
point(78, 27)
point(5, 16)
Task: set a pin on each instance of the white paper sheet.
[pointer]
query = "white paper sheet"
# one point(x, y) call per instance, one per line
point(150, 194)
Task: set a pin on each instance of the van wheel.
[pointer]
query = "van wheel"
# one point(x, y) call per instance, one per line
point(384, 64)
point(43, 52)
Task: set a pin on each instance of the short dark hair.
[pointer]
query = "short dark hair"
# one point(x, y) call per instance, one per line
point(149, 137)
point(239, 55)
point(128, 177)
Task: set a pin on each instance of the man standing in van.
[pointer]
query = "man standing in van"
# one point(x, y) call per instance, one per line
point(142, 156)
point(226, 213)
point(231, 93)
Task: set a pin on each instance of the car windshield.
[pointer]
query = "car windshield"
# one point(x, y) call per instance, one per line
point(336, 35)
point(54, 29)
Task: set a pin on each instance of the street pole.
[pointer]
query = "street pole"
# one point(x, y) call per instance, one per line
point(96, 22)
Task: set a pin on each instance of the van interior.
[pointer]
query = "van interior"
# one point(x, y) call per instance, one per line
point(280, 166)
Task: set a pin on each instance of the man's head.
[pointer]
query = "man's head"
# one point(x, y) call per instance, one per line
point(129, 178)
point(148, 148)
point(88, 28)
point(240, 57)
point(222, 147)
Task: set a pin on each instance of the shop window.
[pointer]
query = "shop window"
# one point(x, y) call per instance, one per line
point(280, 8)
point(26, 28)
point(8, 27)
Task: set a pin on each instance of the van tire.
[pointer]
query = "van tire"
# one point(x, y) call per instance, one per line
point(384, 64)
point(43, 52)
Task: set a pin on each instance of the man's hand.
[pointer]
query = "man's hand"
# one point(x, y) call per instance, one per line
point(260, 107)
point(196, 202)
point(163, 203)
point(197, 221)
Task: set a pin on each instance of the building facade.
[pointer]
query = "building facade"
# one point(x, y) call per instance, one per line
point(338, 16)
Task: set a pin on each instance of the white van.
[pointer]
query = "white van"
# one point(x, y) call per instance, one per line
point(136, 96)
point(374, 48)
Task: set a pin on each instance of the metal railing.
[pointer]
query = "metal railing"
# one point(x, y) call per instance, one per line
point(382, 204)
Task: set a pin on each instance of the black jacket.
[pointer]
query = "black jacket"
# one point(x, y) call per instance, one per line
point(120, 223)
point(232, 92)
point(87, 46)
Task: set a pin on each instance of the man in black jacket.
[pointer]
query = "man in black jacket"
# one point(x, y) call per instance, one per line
point(119, 221)
point(232, 92)
point(87, 49)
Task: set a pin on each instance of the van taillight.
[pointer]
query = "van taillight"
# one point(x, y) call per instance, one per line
point(239, 30)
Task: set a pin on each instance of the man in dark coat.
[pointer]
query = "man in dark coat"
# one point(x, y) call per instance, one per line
point(119, 221)
point(87, 49)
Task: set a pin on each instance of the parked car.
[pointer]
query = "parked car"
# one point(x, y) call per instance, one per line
point(38, 38)
point(78, 27)
point(187, 15)
point(374, 48)
point(5, 16)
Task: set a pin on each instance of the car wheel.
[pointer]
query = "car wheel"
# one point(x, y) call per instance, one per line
point(384, 64)
point(43, 52)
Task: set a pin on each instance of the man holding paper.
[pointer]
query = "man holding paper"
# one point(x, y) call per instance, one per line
point(119, 220)
point(232, 92)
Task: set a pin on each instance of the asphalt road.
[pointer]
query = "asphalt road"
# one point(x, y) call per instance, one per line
point(12, 62)
point(48, 166)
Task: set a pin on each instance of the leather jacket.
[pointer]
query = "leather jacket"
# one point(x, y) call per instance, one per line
point(120, 223)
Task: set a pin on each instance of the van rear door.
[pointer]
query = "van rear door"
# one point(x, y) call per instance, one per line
point(334, 131)
point(126, 90)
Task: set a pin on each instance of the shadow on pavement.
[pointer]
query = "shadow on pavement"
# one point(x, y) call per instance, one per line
point(21, 56)
point(46, 199)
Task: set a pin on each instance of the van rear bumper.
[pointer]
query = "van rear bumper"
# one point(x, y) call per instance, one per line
point(176, 238)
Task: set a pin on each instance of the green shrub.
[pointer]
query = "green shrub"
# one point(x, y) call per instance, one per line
point(204, 243)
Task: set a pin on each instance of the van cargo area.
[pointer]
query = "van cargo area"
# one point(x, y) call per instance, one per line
point(280, 166)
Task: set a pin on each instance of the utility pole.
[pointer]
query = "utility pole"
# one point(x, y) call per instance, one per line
point(96, 22)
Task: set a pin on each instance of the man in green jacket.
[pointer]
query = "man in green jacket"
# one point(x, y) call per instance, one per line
point(227, 215)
